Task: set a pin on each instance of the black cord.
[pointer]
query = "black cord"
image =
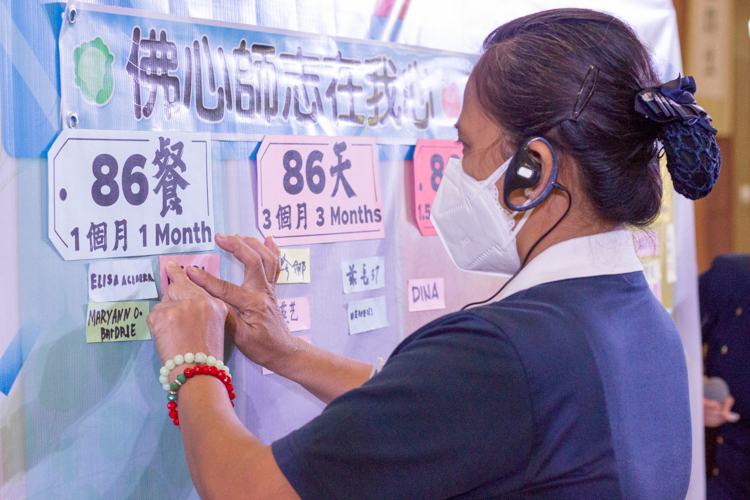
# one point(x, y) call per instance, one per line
point(531, 250)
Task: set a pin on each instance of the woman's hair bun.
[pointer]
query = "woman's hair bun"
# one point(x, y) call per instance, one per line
point(693, 157)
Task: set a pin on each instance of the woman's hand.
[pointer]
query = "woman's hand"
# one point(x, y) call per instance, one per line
point(716, 414)
point(257, 326)
point(188, 319)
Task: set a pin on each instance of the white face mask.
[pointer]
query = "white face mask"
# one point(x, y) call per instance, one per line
point(477, 231)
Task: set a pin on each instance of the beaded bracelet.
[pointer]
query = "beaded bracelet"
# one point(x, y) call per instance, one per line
point(178, 360)
point(225, 378)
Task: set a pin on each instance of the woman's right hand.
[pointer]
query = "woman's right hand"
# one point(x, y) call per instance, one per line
point(257, 325)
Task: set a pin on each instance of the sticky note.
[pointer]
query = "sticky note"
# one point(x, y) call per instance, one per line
point(296, 312)
point(363, 274)
point(122, 279)
point(366, 315)
point(295, 266)
point(426, 294)
point(646, 243)
point(116, 321)
point(211, 263)
point(307, 338)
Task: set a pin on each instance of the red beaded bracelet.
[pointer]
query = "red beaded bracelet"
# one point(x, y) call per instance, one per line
point(190, 373)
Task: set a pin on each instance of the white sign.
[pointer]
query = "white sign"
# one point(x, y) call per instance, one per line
point(122, 279)
point(122, 194)
point(363, 274)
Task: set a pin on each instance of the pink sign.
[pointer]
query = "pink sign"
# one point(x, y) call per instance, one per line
point(319, 189)
point(296, 312)
point(426, 294)
point(430, 158)
point(210, 263)
point(307, 338)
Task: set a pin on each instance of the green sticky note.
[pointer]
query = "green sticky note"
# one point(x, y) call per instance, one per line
point(117, 321)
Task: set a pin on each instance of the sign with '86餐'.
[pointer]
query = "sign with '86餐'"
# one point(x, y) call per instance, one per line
point(123, 194)
point(123, 69)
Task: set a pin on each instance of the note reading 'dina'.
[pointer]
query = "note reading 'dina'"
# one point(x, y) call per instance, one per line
point(426, 294)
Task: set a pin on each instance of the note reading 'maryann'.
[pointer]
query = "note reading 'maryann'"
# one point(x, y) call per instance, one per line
point(123, 279)
point(366, 315)
point(363, 274)
point(117, 322)
point(211, 263)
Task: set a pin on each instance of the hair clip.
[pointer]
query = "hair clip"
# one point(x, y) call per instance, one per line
point(673, 101)
point(580, 105)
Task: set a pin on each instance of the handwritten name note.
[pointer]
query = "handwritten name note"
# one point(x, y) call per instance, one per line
point(123, 279)
point(211, 263)
point(116, 322)
point(366, 315)
point(295, 266)
point(307, 338)
point(426, 294)
point(363, 274)
point(296, 312)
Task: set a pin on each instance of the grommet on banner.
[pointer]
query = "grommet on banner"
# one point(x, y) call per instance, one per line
point(72, 120)
point(72, 15)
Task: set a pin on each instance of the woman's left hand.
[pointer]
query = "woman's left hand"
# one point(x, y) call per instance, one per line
point(188, 319)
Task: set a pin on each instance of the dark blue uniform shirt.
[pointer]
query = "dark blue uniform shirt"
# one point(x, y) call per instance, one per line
point(725, 314)
point(574, 389)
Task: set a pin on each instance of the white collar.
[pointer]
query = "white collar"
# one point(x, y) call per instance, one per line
point(600, 254)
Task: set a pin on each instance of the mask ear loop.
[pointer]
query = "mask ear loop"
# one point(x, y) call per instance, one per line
point(531, 250)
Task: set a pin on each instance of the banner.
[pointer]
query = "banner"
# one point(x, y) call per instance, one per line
point(123, 69)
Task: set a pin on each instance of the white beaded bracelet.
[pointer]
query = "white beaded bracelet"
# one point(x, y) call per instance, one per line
point(200, 359)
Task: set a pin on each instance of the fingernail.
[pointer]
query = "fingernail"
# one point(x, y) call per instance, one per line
point(171, 263)
point(219, 236)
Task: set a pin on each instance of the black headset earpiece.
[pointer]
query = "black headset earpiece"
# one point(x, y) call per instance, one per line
point(525, 171)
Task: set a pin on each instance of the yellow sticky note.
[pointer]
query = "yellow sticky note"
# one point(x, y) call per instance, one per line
point(295, 266)
point(117, 321)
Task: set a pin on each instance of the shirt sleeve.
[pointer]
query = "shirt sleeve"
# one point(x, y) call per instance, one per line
point(450, 411)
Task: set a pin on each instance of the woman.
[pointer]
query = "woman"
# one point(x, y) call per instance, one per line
point(573, 385)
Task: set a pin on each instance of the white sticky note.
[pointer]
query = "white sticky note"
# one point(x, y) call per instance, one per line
point(363, 274)
point(295, 266)
point(426, 294)
point(123, 279)
point(366, 315)
point(307, 338)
